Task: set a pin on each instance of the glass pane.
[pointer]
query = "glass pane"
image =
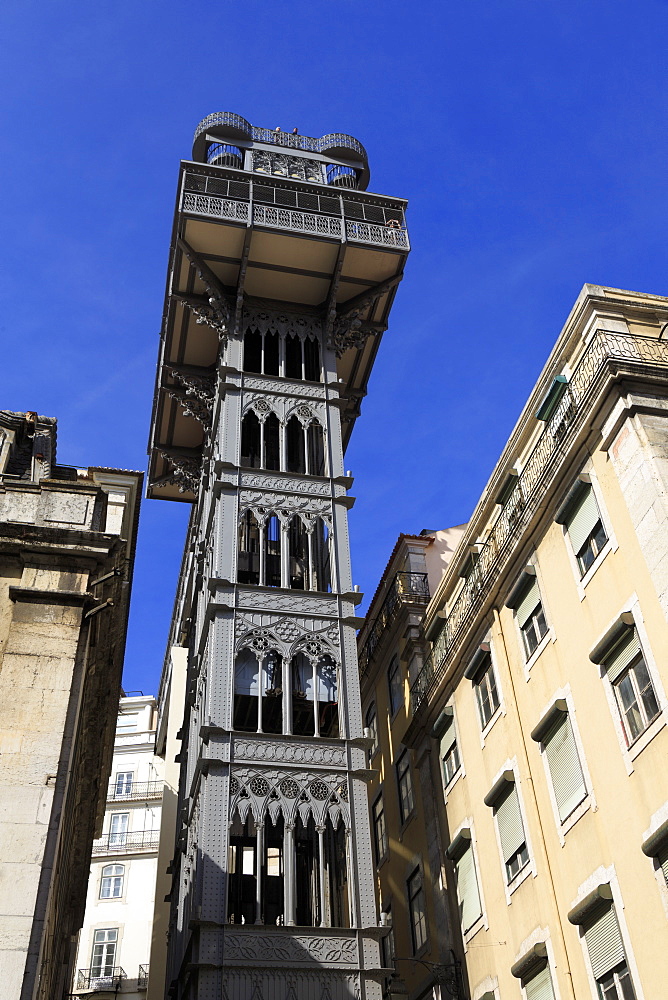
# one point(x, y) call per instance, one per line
point(647, 694)
point(629, 704)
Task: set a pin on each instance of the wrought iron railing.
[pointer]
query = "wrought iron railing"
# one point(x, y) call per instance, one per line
point(142, 978)
point(603, 349)
point(406, 588)
point(380, 223)
point(332, 141)
point(127, 843)
point(100, 978)
point(128, 791)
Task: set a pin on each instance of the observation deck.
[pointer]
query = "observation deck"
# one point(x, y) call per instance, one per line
point(267, 218)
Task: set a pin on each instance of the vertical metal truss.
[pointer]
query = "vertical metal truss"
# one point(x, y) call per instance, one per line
point(211, 959)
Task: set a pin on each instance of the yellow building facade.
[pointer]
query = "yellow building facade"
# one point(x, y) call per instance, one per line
point(541, 706)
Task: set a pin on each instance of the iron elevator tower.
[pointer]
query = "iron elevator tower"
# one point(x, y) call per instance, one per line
point(282, 274)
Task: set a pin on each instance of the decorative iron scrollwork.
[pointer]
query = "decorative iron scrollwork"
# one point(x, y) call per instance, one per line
point(186, 472)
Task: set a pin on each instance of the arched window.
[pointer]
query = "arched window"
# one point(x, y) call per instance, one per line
point(307, 873)
point(315, 448)
point(295, 445)
point(271, 354)
point(293, 357)
point(111, 886)
point(298, 554)
point(303, 713)
point(321, 558)
point(327, 693)
point(248, 568)
point(253, 351)
point(246, 672)
point(312, 368)
point(335, 875)
point(242, 893)
point(250, 441)
point(272, 443)
point(272, 693)
point(272, 552)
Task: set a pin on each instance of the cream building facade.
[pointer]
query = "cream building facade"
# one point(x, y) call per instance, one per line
point(67, 542)
point(420, 920)
point(542, 704)
point(115, 940)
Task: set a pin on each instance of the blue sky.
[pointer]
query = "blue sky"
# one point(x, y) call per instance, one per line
point(529, 137)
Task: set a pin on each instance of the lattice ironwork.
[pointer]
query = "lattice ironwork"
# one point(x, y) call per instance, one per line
point(101, 979)
point(142, 977)
point(387, 236)
point(218, 208)
point(604, 349)
point(301, 222)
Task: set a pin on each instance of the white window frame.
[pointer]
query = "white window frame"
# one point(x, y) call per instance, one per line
point(530, 659)
point(541, 936)
point(603, 876)
point(632, 752)
point(611, 545)
point(659, 819)
point(530, 867)
point(123, 774)
point(96, 930)
point(482, 921)
point(121, 833)
point(461, 771)
point(123, 878)
point(589, 801)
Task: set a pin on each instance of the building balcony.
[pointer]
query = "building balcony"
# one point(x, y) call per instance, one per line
point(127, 843)
point(101, 978)
point(566, 410)
point(406, 589)
point(142, 978)
point(135, 790)
point(377, 222)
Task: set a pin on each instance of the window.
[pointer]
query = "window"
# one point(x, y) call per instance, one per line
point(506, 805)
point(583, 523)
point(468, 895)
point(531, 617)
point(387, 942)
point(118, 829)
point(632, 684)
point(539, 986)
point(395, 685)
point(405, 782)
point(449, 753)
point(606, 954)
point(111, 885)
point(379, 829)
point(486, 692)
point(371, 721)
point(128, 722)
point(563, 761)
point(104, 953)
point(123, 785)
point(417, 910)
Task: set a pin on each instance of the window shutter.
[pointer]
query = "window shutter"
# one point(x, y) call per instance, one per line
point(449, 738)
point(619, 657)
point(509, 822)
point(529, 602)
point(467, 890)
point(664, 865)
point(565, 770)
point(540, 987)
point(604, 943)
point(581, 522)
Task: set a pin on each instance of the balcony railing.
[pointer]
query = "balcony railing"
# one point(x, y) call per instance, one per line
point(406, 588)
point(135, 790)
point(379, 222)
point(101, 979)
point(127, 843)
point(142, 978)
point(603, 350)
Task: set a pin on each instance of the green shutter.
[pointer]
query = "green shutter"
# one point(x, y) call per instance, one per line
point(621, 654)
point(509, 822)
point(449, 738)
point(540, 987)
point(565, 770)
point(467, 890)
point(581, 521)
point(604, 943)
point(529, 603)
